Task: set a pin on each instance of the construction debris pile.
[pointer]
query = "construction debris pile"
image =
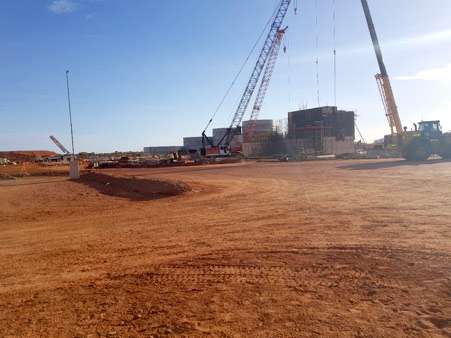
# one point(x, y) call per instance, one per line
point(173, 159)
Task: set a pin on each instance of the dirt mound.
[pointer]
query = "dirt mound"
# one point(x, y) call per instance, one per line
point(34, 169)
point(132, 187)
point(25, 155)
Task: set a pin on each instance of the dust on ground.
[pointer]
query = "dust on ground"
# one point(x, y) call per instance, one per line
point(334, 248)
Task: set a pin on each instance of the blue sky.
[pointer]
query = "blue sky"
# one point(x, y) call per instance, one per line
point(148, 72)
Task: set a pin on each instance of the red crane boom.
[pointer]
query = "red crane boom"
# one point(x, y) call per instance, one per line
point(256, 73)
point(249, 133)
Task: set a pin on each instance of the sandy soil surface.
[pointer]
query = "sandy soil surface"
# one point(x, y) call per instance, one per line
point(25, 155)
point(32, 169)
point(313, 249)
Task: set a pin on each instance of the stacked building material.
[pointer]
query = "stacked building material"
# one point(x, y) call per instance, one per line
point(161, 150)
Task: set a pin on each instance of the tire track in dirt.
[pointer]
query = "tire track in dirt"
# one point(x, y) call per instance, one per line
point(254, 250)
point(307, 266)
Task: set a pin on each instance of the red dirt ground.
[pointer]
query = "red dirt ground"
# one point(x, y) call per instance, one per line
point(25, 155)
point(33, 169)
point(313, 249)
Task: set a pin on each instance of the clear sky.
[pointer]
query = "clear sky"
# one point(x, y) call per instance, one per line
point(148, 72)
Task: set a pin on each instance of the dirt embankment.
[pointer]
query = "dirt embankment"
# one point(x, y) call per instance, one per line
point(133, 188)
point(32, 169)
point(25, 155)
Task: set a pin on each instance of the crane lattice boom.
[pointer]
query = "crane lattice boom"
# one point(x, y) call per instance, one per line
point(255, 76)
point(383, 80)
point(264, 84)
point(59, 145)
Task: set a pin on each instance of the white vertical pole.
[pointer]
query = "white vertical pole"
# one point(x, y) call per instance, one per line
point(74, 172)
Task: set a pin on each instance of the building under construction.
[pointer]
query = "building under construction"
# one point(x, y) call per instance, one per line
point(193, 143)
point(316, 131)
point(322, 130)
point(257, 130)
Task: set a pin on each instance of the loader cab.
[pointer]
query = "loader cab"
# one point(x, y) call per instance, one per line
point(430, 129)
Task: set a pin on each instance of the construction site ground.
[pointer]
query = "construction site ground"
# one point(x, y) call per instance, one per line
point(32, 169)
point(312, 249)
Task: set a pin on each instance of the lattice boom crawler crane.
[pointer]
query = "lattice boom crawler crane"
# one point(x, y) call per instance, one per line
point(264, 84)
point(223, 146)
point(427, 137)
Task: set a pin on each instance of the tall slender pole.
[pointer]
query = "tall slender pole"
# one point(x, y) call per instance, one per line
point(334, 33)
point(70, 114)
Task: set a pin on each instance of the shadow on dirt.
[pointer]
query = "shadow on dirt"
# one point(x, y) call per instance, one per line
point(390, 164)
point(135, 189)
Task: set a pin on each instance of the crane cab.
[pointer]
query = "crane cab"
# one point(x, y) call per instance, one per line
point(430, 129)
point(426, 140)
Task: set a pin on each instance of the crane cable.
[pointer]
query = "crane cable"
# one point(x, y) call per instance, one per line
point(317, 53)
point(358, 130)
point(334, 37)
point(286, 51)
point(240, 70)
